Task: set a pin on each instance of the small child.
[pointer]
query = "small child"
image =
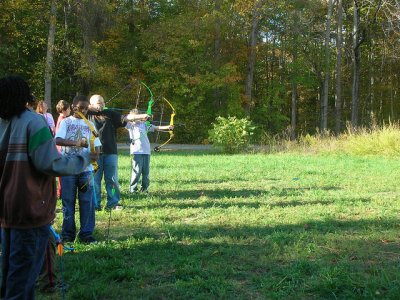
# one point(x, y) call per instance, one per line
point(42, 108)
point(140, 150)
point(64, 110)
point(74, 135)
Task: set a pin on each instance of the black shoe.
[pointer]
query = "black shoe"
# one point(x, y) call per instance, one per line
point(88, 240)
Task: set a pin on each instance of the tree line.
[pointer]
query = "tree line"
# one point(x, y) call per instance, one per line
point(294, 66)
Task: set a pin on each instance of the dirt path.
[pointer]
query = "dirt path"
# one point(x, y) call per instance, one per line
point(122, 146)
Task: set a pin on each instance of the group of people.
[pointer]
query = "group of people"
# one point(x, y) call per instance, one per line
point(80, 149)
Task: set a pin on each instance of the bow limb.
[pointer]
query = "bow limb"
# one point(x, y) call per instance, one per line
point(150, 103)
point(171, 123)
point(92, 148)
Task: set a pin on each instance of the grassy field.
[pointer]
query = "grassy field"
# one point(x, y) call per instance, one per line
point(281, 226)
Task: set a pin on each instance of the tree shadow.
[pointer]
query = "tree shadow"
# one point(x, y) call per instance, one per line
point(240, 262)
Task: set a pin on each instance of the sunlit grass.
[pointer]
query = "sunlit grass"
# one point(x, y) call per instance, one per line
point(381, 141)
point(247, 227)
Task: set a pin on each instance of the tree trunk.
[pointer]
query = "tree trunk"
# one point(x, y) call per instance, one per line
point(339, 45)
point(371, 86)
point(324, 103)
point(293, 118)
point(356, 65)
point(252, 57)
point(218, 101)
point(48, 73)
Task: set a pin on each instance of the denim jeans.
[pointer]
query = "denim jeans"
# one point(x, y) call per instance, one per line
point(22, 258)
point(108, 165)
point(140, 167)
point(81, 184)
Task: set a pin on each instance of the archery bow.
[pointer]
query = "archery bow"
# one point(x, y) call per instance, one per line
point(171, 123)
point(92, 148)
point(127, 87)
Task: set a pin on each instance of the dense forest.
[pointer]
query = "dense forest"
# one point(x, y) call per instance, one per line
point(293, 66)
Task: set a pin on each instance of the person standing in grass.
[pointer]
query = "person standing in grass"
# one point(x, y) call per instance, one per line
point(77, 135)
point(28, 197)
point(107, 121)
point(140, 151)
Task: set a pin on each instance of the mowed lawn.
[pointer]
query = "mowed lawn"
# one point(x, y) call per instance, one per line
point(253, 226)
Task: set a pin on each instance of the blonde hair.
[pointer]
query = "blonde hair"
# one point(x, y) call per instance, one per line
point(62, 105)
point(39, 107)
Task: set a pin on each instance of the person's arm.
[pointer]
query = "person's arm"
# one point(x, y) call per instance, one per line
point(62, 141)
point(136, 117)
point(71, 143)
point(164, 128)
point(45, 157)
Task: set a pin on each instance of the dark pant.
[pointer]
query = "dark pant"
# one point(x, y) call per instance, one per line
point(47, 277)
point(140, 167)
point(22, 258)
point(81, 184)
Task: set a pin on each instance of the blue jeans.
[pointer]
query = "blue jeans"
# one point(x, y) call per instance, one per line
point(22, 258)
point(108, 164)
point(140, 167)
point(81, 184)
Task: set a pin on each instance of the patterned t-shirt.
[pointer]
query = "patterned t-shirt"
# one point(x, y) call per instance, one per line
point(73, 129)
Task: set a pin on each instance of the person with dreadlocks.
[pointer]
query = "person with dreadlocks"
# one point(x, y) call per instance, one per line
point(29, 160)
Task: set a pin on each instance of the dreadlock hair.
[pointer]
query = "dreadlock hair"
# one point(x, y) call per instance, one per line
point(32, 102)
point(14, 94)
point(61, 106)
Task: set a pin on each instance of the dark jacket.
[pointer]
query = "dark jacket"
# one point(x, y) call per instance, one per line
point(28, 161)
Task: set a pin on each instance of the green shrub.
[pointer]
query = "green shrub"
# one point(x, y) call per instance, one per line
point(231, 134)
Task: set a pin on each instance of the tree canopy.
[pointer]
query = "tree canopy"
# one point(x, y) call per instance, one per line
point(274, 62)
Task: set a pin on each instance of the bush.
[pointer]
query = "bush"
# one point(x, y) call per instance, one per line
point(231, 134)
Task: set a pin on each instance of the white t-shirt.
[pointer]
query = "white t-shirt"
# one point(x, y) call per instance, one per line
point(73, 129)
point(140, 143)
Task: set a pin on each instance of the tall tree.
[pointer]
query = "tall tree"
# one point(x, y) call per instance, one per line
point(358, 39)
point(253, 36)
point(48, 73)
point(325, 94)
point(338, 88)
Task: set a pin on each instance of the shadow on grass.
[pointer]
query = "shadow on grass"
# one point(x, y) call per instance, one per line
point(328, 259)
point(239, 204)
point(202, 194)
point(205, 181)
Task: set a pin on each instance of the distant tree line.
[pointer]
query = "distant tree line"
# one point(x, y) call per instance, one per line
point(293, 66)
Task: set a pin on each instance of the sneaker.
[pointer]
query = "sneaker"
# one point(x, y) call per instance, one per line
point(118, 207)
point(115, 207)
point(88, 240)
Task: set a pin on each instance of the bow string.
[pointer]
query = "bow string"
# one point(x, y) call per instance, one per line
point(171, 123)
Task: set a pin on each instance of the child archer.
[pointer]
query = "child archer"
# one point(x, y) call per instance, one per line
point(140, 150)
point(74, 135)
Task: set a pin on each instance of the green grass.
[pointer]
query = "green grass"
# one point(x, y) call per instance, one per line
point(282, 226)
